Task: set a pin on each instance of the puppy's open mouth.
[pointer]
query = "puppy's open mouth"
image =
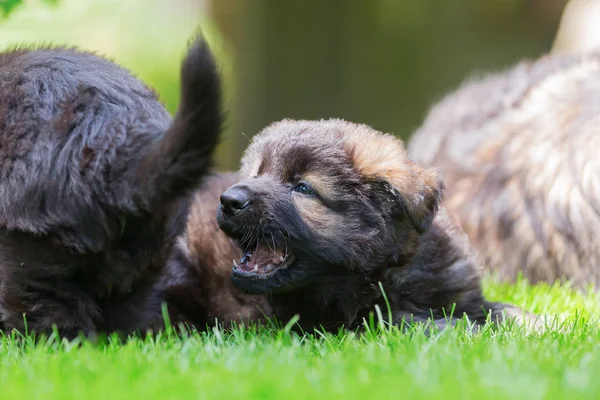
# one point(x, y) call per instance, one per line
point(262, 262)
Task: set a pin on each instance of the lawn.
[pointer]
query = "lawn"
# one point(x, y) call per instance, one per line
point(504, 363)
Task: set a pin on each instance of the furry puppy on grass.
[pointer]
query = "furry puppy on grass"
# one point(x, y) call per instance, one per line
point(323, 212)
point(94, 178)
point(519, 153)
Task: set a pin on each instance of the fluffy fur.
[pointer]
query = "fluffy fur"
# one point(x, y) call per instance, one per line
point(323, 212)
point(518, 151)
point(94, 177)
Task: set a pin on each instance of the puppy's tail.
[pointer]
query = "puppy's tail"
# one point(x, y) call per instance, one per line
point(184, 155)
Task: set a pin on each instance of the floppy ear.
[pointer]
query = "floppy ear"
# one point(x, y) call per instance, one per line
point(405, 189)
point(414, 193)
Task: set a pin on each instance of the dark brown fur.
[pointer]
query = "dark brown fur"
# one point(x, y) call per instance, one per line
point(374, 217)
point(94, 179)
point(519, 153)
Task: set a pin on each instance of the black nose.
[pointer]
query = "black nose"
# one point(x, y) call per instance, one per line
point(235, 200)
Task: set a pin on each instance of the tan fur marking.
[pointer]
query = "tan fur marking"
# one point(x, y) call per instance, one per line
point(324, 185)
point(385, 158)
point(318, 216)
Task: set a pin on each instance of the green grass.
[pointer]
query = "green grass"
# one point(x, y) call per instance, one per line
point(504, 363)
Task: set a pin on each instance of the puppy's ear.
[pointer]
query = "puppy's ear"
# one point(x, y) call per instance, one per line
point(405, 189)
point(414, 193)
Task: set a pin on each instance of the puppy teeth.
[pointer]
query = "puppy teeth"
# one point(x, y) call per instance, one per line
point(235, 263)
point(281, 258)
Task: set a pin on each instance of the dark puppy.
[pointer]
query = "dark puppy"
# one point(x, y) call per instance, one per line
point(519, 154)
point(93, 182)
point(325, 210)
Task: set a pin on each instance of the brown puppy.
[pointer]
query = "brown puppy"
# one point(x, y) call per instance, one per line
point(519, 154)
point(324, 211)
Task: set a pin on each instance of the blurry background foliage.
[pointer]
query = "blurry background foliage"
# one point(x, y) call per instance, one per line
point(8, 6)
point(380, 62)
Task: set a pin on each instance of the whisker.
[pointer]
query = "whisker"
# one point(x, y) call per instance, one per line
point(288, 234)
point(203, 225)
point(268, 245)
point(274, 243)
point(258, 240)
point(284, 242)
point(211, 236)
point(212, 221)
point(246, 237)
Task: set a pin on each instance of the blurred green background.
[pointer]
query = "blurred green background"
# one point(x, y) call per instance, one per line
point(380, 62)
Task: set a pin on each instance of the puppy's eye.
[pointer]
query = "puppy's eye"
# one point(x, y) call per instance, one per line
point(303, 188)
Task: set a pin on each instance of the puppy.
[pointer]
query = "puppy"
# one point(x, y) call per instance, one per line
point(518, 152)
point(95, 177)
point(324, 212)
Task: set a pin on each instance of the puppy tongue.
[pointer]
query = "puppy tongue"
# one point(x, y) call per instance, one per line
point(264, 256)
